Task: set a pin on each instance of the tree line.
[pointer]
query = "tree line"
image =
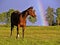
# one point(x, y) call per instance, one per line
point(6, 16)
point(52, 16)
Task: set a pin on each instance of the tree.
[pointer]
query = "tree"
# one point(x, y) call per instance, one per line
point(3, 17)
point(32, 19)
point(8, 16)
point(0, 17)
point(50, 15)
point(58, 15)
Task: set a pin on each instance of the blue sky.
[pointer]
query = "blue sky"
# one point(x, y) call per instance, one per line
point(21, 5)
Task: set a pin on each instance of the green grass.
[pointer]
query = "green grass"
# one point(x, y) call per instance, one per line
point(44, 35)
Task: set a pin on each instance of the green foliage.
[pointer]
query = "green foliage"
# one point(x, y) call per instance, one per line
point(50, 15)
point(0, 17)
point(5, 16)
point(58, 15)
point(32, 19)
point(9, 15)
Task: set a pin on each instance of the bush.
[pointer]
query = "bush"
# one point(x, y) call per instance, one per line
point(32, 19)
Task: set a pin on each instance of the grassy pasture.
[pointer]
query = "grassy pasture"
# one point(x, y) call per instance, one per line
point(34, 35)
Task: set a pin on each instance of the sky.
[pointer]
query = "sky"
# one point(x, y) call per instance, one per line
point(39, 5)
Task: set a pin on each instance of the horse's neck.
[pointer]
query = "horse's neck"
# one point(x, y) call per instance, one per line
point(24, 15)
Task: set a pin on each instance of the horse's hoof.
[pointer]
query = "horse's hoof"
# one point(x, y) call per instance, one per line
point(17, 36)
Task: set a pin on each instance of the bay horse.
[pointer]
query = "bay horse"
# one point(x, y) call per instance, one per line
point(19, 19)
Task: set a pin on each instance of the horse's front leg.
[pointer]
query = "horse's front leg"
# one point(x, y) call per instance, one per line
point(23, 28)
point(17, 31)
point(12, 26)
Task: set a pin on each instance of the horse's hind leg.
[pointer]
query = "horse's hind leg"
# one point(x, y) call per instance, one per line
point(17, 31)
point(12, 26)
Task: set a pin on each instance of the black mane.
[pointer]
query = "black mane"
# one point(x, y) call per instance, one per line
point(23, 13)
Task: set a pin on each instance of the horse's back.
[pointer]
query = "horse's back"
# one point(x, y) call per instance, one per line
point(14, 18)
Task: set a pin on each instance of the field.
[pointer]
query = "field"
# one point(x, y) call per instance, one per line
point(43, 35)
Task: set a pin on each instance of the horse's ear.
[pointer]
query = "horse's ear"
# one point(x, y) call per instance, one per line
point(34, 10)
point(30, 8)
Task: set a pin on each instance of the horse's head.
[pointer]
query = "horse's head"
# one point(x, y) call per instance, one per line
point(31, 12)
